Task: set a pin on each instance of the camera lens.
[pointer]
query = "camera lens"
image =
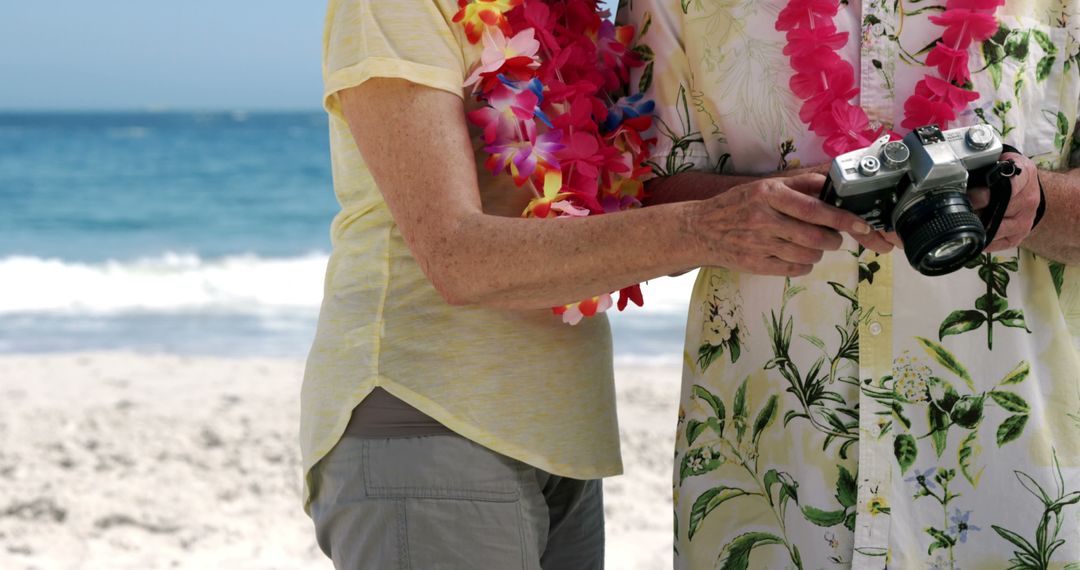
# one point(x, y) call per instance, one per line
point(940, 232)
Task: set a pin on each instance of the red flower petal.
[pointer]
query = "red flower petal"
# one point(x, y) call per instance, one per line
point(952, 64)
point(965, 26)
point(985, 5)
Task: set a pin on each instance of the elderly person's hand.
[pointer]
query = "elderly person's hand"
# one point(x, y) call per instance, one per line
point(777, 226)
point(1020, 215)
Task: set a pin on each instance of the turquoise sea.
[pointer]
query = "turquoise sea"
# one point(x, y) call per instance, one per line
point(191, 233)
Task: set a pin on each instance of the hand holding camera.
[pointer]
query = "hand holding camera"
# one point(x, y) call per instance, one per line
point(774, 226)
point(918, 187)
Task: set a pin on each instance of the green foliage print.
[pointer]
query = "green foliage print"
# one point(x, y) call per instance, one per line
point(847, 494)
point(719, 440)
point(826, 410)
point(722, 327)
point(1057, 275)
point(934, 484)
point(1016, 44)
point(1036, 554)
point(914, 388)
point(681, 137)
point(990, 308)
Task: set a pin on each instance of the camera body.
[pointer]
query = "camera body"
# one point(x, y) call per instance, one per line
point(918, 188)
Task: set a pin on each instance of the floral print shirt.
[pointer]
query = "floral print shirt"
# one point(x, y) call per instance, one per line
point(866, 416)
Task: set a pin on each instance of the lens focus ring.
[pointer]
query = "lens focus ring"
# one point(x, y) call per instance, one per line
point(933, 232)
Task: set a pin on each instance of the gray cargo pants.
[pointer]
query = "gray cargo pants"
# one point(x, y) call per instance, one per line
point(444, 502)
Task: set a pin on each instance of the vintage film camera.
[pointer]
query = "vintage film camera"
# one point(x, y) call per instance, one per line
point(918, 188)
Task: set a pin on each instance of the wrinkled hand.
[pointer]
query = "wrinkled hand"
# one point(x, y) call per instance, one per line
point(1020, 214)
point(777, 226)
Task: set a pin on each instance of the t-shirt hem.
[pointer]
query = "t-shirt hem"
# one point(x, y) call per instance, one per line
point(372, 67)
point(462, 428)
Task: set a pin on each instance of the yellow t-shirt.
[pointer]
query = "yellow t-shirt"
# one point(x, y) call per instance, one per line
point(518, 382)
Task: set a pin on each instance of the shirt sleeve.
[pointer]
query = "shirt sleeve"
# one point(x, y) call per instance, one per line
point(666, 80)
point(414, 40)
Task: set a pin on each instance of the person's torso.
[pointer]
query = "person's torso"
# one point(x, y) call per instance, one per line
point(867, 414)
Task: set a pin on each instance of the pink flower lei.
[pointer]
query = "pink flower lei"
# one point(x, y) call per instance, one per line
point(826, 83)
point(553, 77)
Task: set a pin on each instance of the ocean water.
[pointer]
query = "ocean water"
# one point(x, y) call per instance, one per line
point(190, 233)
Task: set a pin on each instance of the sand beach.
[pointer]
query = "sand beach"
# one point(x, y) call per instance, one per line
point(118, 460)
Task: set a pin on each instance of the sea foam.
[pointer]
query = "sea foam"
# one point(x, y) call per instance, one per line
point(169, 283)
point(238, 284)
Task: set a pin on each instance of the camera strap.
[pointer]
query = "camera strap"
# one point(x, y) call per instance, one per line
point(1042, 193)
point(998, 178)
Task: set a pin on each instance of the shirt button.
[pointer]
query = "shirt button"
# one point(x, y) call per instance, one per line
point(875, 328)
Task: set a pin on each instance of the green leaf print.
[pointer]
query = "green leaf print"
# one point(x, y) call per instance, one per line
point(708, 501)
point(738, 410)
point(960, 322)
point(1044, 42)
point(946, 359)
point(645, 25)
point(906, 450)
point(939, 429)
point(967, 412)
point(823, 518)
point(1011, 402)
point(685, 5)
point(646, 78)
point(847, 489)
point(991, 303)
point(970, 450)
point(715, 403)
point(765, 416)
point(1057, 275)
point(700, 461)
point(645, 52)
point(1038, 554)
point(1016, 375)
point(1016, 45)
point(736, 554)
point(942, 540)
point(992, 306)
point(708, 353)
point(1043, 69)
point(693, 430)
point(1011, 428)
point(1013, 318)
point(995, 73)
point(789, 489)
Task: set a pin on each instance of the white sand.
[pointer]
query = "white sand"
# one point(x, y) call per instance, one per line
point(122, 461)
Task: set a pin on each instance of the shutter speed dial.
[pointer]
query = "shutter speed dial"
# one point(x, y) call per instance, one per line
point(895, 154)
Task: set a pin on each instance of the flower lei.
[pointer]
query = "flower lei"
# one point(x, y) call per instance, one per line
point(547, 76)
point(826, 82)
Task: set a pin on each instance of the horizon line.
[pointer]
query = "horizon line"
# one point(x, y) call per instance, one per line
point(159, 110)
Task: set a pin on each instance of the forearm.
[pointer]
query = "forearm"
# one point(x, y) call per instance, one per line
point(530, 263)
point(1058, 235)
point(688, 186)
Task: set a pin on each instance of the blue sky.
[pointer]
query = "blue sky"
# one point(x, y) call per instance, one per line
point(139, 54)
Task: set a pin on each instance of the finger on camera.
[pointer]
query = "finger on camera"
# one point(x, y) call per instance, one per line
point(874, 241)
point(795, 253)
point(980, 197)
point(779, 267)
point(807, 234)
point(809, 183)
point(1003, 244)
point(814, 211)
point(894, 239)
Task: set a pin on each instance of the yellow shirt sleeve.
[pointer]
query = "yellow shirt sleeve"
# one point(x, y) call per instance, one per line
point(414, 40)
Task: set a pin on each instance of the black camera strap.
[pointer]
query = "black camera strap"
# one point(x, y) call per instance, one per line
point(998, 178)
point(1042, 193)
